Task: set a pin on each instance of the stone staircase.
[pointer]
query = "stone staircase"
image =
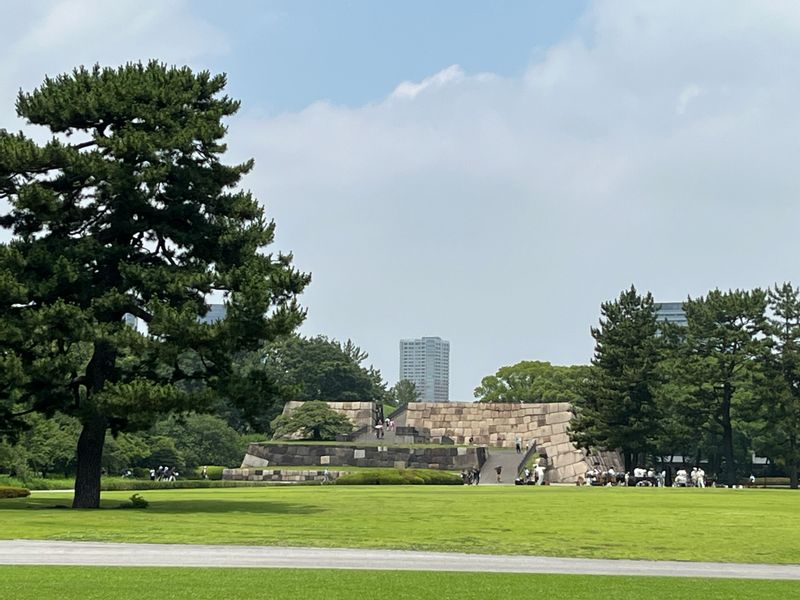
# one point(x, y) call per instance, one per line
point(505, 457)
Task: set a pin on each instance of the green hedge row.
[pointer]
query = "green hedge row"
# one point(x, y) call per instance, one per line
point(400, 477)
point(14, 492)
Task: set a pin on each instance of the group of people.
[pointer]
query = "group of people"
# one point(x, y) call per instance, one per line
point(382, 426)
point(471, 476)
point(163, 474)
point(643, 477)
point(697, 478)
point(533, 476)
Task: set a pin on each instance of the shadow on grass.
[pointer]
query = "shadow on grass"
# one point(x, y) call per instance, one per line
point(176, 506)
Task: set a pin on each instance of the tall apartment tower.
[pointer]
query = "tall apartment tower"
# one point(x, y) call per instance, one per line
point(671, 312)
point(425, 362)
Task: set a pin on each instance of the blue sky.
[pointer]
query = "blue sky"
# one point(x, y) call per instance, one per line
point(485, 172)
point(286, 55)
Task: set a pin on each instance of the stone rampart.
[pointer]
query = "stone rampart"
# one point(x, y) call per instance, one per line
point(499, 424)
point(449, 458)
point(278, 475)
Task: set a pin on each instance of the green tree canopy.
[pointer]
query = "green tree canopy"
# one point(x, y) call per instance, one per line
point(128, 209)
point(404, 391)
point(721, 358)
point(617, 408)
point(778, 434)
point(533, 381)
point(313, 420)
point(318, 368)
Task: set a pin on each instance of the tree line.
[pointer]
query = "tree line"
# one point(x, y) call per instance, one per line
point(719, 389)
point(722, 387)
point(290, 368)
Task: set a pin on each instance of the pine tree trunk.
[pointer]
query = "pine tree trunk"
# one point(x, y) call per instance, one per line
point(90, 453)
point(93, 434)
point(727, 437)
point(792, 463)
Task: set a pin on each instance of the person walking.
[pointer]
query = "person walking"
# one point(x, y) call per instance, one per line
point(499, 470)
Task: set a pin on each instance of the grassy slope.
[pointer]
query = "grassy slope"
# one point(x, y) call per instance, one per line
point(101, 583)
point(707, 525)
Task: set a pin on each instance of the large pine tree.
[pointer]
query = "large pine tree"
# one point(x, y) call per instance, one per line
point(617, 409)
point(128, 209)
point(778, 423)
point(724, 348)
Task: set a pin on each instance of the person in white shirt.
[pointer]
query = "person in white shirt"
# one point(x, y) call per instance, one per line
point(701, 477)
point(539, 474)
point(680, 478)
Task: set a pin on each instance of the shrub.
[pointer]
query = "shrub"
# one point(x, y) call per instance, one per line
point(433, 477)
point(400, 477)
point(141, 472)
point(135, 501)
point(214, 472)
point(14, 492)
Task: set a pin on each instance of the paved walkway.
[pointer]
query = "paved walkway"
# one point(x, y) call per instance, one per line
point(505, 457)
point(29, 552)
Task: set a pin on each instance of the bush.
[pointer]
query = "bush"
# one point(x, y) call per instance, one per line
point(214, 473)
point(400, 477)
point(135, 501)
point(37, 483)
point(433, 477)
point(141, 472)
point(14, 492)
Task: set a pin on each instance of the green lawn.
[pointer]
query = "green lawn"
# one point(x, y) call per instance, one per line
point(127, 583)
point(680, 524)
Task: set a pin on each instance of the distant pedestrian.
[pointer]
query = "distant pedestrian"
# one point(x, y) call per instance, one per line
point(476, 475)
point(498, 469)
point(518, 444)
point(152, 474)
point(204, 473)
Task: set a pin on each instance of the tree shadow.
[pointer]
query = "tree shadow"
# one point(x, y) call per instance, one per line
point(176, 506)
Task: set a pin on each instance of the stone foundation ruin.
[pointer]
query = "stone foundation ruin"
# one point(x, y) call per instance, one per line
point(476, 425)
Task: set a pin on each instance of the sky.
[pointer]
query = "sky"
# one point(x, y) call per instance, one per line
point(486, 172)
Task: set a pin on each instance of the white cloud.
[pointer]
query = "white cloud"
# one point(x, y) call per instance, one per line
point(657, 146)
point(410, 89)
point(52, 37)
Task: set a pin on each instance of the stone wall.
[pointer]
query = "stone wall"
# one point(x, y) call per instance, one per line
point(498, 424)
point(360, 413)
point(277, 475)
point(449, 458)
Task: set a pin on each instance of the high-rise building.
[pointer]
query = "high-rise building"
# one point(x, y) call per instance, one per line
point(425, 362)
point(671, 312)
point(216, 312)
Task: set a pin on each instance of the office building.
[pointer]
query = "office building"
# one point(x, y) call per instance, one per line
point(425, 362)
point(671, 312)
point(216, 312)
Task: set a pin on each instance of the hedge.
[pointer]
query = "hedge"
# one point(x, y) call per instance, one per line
point(214, 472)
point(400, 477)
point(14, 492)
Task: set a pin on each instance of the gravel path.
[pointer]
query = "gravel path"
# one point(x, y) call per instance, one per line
point(29, 552)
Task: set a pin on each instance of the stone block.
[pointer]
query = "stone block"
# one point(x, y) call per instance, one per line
point(325, 460)
point(359, 453)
